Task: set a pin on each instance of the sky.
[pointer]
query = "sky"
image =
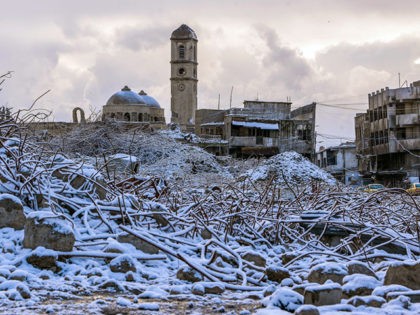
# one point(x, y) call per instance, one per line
point(331, 52)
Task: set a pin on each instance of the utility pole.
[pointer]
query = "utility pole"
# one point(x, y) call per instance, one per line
point(218, 103)
point(230, 102)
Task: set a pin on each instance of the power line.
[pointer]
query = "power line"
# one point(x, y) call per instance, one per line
point(327, 136)
point(347, 108)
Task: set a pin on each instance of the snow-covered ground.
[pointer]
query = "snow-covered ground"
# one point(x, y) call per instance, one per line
point(187, 234)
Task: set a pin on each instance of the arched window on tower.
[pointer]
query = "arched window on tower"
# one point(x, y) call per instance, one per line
point(195, 53)
point(181, 52)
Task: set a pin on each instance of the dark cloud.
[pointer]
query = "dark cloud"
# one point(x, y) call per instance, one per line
point(286, 65)
point(85, 51)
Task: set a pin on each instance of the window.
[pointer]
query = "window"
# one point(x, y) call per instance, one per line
point(331, 158)
point(181, 52)
point(251, 132)
point(181, 71)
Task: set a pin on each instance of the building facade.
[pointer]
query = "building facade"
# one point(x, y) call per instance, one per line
point(129, 106)
point(184, 77)
point(341, 162)
point(259, 128)
point(388, 135)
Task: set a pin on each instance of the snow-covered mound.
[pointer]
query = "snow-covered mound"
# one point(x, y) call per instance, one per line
point(290, 167)
point(177, 160)
point(169, 154)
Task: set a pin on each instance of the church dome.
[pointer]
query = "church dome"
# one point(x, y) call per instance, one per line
point(126, 97)
point(183, 32)
point(150, 101)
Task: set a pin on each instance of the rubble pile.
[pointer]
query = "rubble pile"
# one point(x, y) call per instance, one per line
point(323, 251)
point(290, 167)
point(157, 153)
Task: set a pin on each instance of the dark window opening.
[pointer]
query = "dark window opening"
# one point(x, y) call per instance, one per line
point(181, 52)
point(331, 158)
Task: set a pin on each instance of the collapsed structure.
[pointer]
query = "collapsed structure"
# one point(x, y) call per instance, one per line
point(387, 135)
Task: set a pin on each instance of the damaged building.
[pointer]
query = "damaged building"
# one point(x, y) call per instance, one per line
point(340, 161)
point(388, 136)
point(259, 128)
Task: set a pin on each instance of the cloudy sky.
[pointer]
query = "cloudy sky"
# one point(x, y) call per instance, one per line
point(328, 51)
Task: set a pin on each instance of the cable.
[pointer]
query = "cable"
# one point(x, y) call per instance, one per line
point(327, 136)
point(405, 149)
point(338, 106)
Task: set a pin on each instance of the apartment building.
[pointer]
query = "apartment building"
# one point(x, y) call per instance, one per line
point(388, 135)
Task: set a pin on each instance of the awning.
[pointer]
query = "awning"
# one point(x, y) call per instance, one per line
point(254, 124)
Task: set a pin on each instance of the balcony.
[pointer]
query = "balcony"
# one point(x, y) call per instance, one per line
point(408, 144)
point(253, 142)
point(407, 120)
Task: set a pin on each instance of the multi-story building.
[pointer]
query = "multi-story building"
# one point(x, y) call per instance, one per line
point(259, 128)
point(388, 135)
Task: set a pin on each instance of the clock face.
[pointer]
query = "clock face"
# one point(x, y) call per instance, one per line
point(181, 71)
point(181, 87)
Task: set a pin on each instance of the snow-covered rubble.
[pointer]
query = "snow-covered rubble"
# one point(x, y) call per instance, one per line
point(239, 240)
point(290, 167)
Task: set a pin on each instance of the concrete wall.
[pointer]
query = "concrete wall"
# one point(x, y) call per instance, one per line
point(279, 110)
point(209, 116)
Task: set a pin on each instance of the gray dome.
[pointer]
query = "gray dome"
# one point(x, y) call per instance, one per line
point(183, 32)
point(126, 97)
point(150, 101)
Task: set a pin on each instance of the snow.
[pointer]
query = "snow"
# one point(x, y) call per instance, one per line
point(10, 197)
point(352, 282)
point(123, 302)
point(382, 291)
point(122, 156)
point(153, 293)
point(290, 167)
point(331, 267)
point(321, 287)
point(285, 299)
point(59, 223)
point(200, 194)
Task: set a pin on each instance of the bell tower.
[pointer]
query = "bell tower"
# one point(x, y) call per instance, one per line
point(184, 77)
